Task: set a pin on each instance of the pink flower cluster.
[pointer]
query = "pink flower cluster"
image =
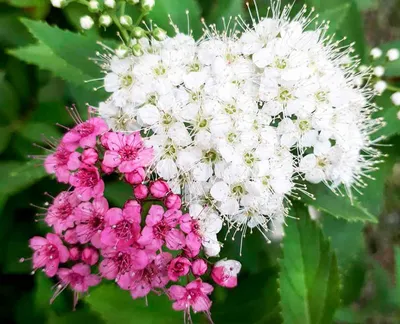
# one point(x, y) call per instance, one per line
point(144, 246)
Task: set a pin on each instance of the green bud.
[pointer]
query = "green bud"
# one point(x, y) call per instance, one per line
point(121, 51)
point(159, 34)
point(125, 21)
point(147, 5)
point(133, 2)
point(138, 32)
point(105, 20)
point(137, 50)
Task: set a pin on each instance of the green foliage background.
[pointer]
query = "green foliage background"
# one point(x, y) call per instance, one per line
point(343, 268)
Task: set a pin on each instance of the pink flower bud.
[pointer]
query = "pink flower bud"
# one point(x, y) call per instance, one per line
point(159, 188)
point(106, 169)
point(141, 191)
point(199, 267)
point(135, 177)
point(71, 237)
point(178, 267)
point(104, 140)
point(89, 156)
point(225, 273)
point(74, 253)
point(173, 201)
point(90, 255)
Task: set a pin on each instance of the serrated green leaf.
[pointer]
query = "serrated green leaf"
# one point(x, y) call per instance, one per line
point(12, 31)
point(9, 101)
point(309, 277)
point(176, 9)
point(42, 56)
point(75, 49)
point(37, 132)
point(117, 306)
point(16, 176)
point(337, 205)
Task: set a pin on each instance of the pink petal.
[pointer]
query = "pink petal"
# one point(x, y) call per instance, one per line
point(100, 205)
point(202, 303)
point(140, 259)
point(82, 269)
point(175, 239)
point(155, 215)
point(73, 161)
point(113, 216)
point(92, 280)
point(63, 254)
point(108, 269)
point(176, 292)
point(51, 267)
point(54, 239)
point(108, 237)
point(111, 159)
point(115, 141)
point(98, 189)
point(37, 242)
point(88, 141)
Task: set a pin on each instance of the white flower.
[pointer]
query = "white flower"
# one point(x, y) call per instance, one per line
point(58, 3)
point(148, 4)
point(109, 3)
point(86, 22)
point(105, 20)
point(393, 54)
point(376, 53)
point(379, 71)
point(380, 86)
point(396, 98)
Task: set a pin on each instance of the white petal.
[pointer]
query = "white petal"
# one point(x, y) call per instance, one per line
point(167, 169)
point(219, 191)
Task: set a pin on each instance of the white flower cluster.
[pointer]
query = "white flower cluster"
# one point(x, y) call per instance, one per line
point(236, 118)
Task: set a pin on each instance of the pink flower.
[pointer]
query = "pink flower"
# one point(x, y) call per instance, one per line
point(122, 225)
point(178, 267)
point(92, 222)
point(87, 182)
point(199, 267)
point(61, 162)
point(160, 228)
point(48, 253)
point(225, 273)
point(141, 191)
point(84, 134)
point(136, 176)
point(191, 227)
point(78, 278)
point(70, 235)
point(155, 275)
point(159, 188)
point(193, 295)
point(126, 152)
point(89, 156)
point(90, 255)
point(61, 214)
point(173, 201)
point(74, 253)
point(104, 140)
point(121, 264)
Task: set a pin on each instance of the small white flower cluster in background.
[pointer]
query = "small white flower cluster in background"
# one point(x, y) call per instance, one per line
point(239, 119)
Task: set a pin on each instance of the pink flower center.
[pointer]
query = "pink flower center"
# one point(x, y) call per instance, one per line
point(96, 222)
point(64, 210)
point(62, 156)
point(161, 229)
point(75, 279)
point(128, 153)
point(87, 178)
point(84, 129)
point(124, 230)
point(51, 251)
point(193, 294)
point(123, 261)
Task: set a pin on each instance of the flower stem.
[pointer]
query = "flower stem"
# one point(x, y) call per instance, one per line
point(392, 88)
point(123, 31)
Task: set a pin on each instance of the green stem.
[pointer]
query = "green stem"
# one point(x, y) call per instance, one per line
point(84, 2)
point(392, 88)
point(123, 31)
point(122, 9)
point(142, 15)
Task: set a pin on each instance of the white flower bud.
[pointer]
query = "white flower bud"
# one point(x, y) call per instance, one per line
point(109, 3)
point(396, 98)
point(393, 54)
point(105, 20)
point(379, 71)
point(398, 114)
point(376, 53)
point(86, 22)
point(58, 3)
point(147, 5)
point(94, 6)
point(138, 32)
point(125, 21)
point(121, 51)
point(380, 86)
point(137, 50)
point(159, 34)
point(133, 2)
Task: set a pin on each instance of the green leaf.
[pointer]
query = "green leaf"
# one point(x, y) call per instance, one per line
point(42, 56)
point(254, 300)
point(345, 21)
point(118, 193)
point(176, 9)
point(226, 9)
point(37, 132)
point(337, 205)
point(75, 49)
point(309, 278)
point(5, 135)
point(389, 114)
point(367, 4)
point(397, 273)
point(16, 176)
point(117, 306)
point(9, 102)
point(12, 31)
